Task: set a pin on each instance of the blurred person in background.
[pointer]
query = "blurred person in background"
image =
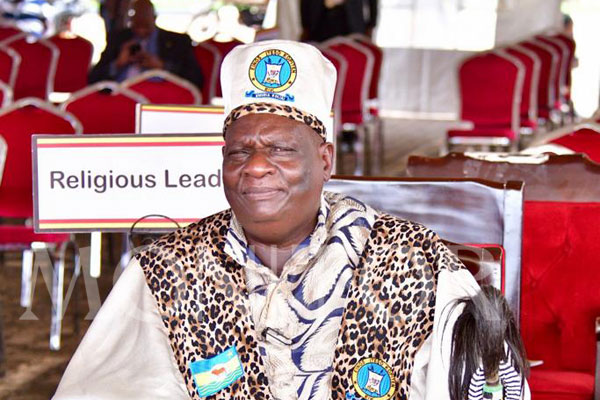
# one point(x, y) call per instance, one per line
point(324, 19)
point(144, 46)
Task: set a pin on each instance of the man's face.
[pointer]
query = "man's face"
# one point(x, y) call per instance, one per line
point(274, 169)
point(142, 20)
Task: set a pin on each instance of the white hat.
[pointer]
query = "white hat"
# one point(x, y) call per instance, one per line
point(282, 77)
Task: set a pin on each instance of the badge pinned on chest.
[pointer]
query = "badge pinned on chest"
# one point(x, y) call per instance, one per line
point(373, 379)
point(216, 373)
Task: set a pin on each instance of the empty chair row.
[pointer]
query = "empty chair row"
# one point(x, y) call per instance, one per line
point(36, 68)
point(510, 91)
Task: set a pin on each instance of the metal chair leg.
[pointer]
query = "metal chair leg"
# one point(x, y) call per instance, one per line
point(58, 306)
point(26, 275)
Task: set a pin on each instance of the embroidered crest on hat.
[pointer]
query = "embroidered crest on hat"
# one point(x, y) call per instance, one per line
point(272, 72)
point(373, 379)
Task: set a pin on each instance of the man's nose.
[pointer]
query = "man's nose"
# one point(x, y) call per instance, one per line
point(258, 164)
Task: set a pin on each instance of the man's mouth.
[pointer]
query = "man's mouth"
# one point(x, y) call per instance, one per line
point(260, 193)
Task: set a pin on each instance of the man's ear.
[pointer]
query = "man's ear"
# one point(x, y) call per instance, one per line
point(327, 156)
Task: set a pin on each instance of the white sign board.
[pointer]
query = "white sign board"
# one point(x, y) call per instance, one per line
point(152, 118)
point(108, 182)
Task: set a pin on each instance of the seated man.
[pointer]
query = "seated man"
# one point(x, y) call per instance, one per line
point(144, 46)
point(293, 293)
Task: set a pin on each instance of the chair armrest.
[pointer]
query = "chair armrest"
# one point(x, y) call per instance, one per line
point(597, 380)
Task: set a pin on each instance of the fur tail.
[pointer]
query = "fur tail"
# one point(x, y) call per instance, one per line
point(484, 335)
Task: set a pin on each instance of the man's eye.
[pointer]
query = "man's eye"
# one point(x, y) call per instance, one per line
point(279, 149)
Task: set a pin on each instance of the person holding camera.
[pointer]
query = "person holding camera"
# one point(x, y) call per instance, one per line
point(143, 46)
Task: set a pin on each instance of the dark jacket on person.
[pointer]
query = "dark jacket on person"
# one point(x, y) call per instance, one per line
point(353, 16)
point(174, 49)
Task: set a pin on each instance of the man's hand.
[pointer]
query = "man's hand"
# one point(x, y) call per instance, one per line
point(125, 57)
point(150, 61)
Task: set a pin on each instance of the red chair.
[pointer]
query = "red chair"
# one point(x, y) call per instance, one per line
point(224, 48)
point(377, 53)
point(162, 87)
point(532, 64)
point(17, 123)
point(490, 85)
point(571, 46)
point(560, 301)
point(9, 65)
point(37, 68)
point(548, 70)
point(73, 63)
point(104, 107)
point(560, 81)
point(209, 59)
point(341, 67)
point(8, 31)
point(358, 79)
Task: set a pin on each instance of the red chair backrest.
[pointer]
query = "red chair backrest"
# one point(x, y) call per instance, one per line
point(17, 124)
point(584, 140)
point(548, 69)
point(488, 83)
point(377, 53)
point(531, 79)
point(209, 59)
point(8, 32)
point(560, 275)
point(561, 73)
point(341, 67)
point(37, 68)
point(224, 48)
point(73, 63)
point(9, 65)
point(104, 110)
point(571, 46)
point(160, 87)
point(358, 77)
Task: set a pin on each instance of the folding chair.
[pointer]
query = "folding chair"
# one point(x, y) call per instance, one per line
point(9, 65)
point(355, 92)
point(471, 212)
point(73, 63)
point(549, 68)
point(491, 86)
point(532, 64)
point(209, 59)
point(19, 121)
point(104, 107)
point(560, 305)
point(162, 87)
point(224, 48)
point(38, 66)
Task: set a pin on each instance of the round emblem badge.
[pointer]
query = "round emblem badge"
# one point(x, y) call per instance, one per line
point(272, 71)
point(373, 379)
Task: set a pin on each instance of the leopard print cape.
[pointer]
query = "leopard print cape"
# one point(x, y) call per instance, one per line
point(202, 298)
